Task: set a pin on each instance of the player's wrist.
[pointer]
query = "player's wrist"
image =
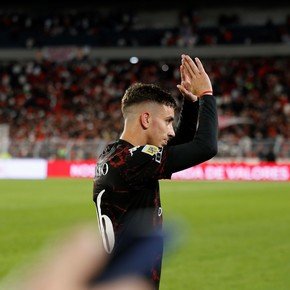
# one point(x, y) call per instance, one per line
point(207, 93)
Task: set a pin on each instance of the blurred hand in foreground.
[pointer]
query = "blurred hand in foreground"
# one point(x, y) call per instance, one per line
point(72, 264)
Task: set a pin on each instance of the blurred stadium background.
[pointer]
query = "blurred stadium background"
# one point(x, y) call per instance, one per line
point(63, 70)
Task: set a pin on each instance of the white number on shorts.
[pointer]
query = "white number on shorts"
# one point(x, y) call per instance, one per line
point(106, 226)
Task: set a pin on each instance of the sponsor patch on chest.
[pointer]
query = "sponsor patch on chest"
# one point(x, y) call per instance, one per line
point(150, 149)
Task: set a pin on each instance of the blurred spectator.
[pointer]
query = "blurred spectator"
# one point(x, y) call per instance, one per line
point(267, 155)
point(187, 29)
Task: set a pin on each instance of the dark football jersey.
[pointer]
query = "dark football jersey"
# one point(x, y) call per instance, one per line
point(126, 193)
point(126, 187)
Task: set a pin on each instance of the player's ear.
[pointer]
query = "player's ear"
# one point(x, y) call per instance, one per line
point(145, 120)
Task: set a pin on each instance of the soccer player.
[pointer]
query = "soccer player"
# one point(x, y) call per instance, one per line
point(126, 187)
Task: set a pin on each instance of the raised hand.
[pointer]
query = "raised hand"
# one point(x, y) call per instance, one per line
point(194, 79)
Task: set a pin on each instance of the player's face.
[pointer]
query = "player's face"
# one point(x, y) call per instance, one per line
point(161, 129)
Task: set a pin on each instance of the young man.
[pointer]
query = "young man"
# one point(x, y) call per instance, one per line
point(126, 187)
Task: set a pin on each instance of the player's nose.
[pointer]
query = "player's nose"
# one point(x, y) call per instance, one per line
point(171, 133)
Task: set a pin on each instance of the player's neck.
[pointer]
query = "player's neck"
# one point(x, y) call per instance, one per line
point(133, 135)
point(133, 139)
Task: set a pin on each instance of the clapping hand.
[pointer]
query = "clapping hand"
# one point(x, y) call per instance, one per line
point(194, 79)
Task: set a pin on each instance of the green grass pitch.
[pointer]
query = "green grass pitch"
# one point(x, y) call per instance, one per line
point(233, 235)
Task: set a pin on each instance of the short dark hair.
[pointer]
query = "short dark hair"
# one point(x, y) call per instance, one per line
point(139, 92)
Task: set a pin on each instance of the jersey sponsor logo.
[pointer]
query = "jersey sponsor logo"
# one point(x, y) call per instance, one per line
point(102, 169)
point(150, 149)
point(158, 156)
point(133, 149)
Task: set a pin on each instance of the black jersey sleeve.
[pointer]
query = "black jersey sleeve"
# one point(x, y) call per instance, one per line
point(186, 128)
point(204, 144)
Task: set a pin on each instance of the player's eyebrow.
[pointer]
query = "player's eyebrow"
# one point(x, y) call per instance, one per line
point(170, 119)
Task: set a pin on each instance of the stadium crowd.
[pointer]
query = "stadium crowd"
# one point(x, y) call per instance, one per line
point(80, 99)
point(124, 28)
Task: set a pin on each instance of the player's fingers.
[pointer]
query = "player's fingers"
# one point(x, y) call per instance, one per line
point(192, 65)
point(186, 85)
point(199, 64)
point(182, 76)
point(186, 75)
point(181, 89)
point(188, 70)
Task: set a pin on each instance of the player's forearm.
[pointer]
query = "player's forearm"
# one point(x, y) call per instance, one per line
point(204, 145)
point(207, 132)
point(187, 124)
